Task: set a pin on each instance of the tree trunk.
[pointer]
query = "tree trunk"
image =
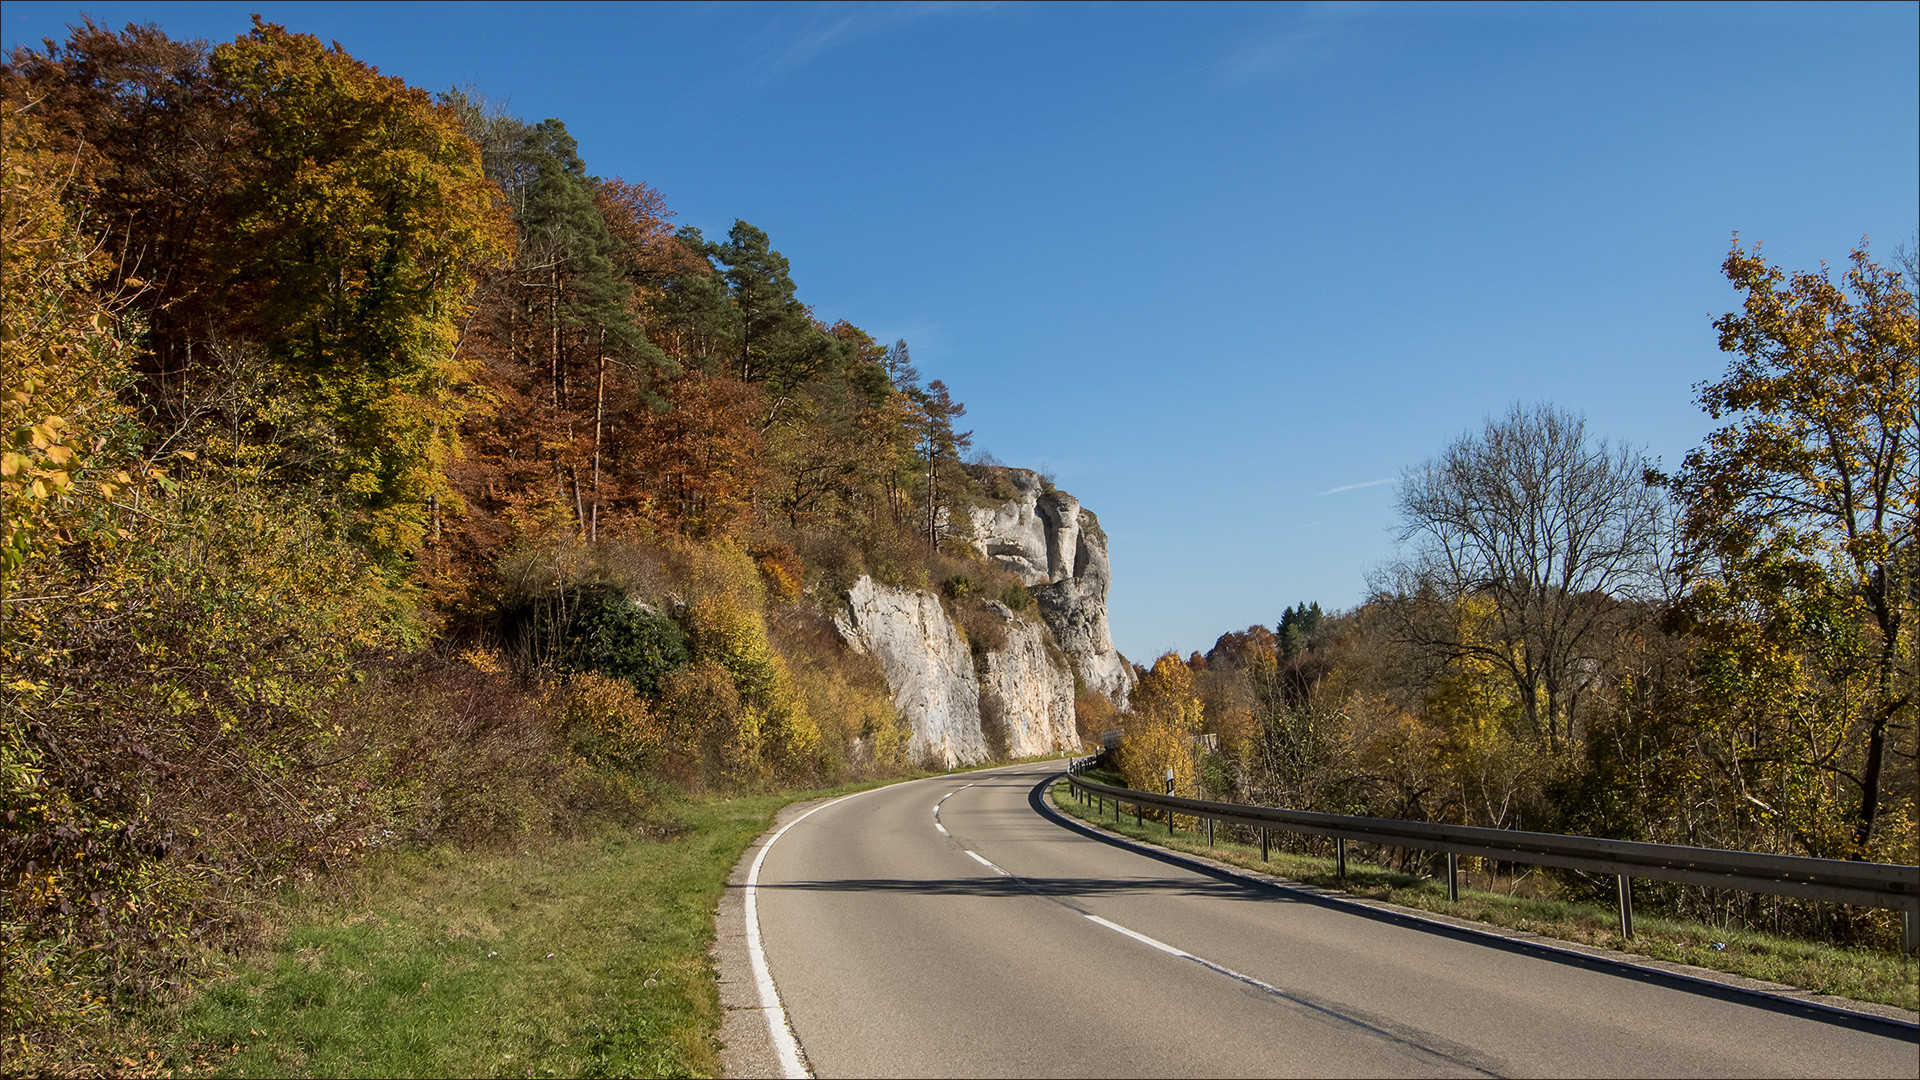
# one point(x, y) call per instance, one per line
point(599, 426)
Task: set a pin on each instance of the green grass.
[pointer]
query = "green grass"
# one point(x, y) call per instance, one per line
point(583, 957)
point(1859, 974)
point(580, 957)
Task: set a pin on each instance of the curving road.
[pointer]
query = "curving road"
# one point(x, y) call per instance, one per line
point(950, 927)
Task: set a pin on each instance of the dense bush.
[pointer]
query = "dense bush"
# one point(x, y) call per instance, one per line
point(616, 636)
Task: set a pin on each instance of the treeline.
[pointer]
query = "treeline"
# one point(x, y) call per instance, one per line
point(1574, 641)
point(376, 474)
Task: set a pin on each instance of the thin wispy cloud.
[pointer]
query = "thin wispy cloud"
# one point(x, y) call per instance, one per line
point(927, 341)
point(1356, 487)
point(819, 30)
point(1308, 36)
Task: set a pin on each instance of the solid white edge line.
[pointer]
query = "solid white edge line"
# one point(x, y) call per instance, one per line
point(784, 1044)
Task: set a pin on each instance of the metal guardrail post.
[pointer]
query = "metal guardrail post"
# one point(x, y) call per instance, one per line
point(1209, 832)
point(1139, 814)
point(1909, 933)
point(1626, 906)
point(1453, 878)
point(1340, 858)
point(1263, 843)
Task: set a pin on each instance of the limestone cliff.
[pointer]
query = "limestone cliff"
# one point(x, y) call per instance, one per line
point(1030, 687)
point(1013, 701)
point(967, 702)
point(1056, 547)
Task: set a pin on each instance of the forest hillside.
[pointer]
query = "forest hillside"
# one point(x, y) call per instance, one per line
point(376, 474)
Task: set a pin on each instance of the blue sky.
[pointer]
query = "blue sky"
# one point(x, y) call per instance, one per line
point(1224, 270)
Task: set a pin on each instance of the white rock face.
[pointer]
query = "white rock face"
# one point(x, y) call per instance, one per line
point(1031, 688)
point(928, 667)
point(1024, 686)
point(1056, 547)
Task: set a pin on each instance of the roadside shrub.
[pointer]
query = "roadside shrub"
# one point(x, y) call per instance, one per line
point(846, 693)
point(715, 739)
point(466, 757)
point(607, 723)
point(617, 637)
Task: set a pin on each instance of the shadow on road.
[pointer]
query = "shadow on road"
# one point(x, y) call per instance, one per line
point(1057, 888)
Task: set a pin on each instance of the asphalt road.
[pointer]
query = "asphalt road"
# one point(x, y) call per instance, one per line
point(949, 927)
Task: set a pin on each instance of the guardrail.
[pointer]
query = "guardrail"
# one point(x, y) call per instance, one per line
point(1880, 885)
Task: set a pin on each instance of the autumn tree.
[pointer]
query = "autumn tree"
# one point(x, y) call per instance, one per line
point(562, 338)
point(1799, 526)
point(150, 144)
point(702, 458)
point(1166, 714)
point(1552, 528)
point(359, 211)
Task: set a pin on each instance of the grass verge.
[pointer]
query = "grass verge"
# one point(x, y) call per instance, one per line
point(1858, 974)
point(579, 957)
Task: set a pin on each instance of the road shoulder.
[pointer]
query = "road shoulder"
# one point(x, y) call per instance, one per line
point(746, 1043)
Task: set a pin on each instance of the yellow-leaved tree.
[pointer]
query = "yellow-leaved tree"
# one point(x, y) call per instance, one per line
point(360, 216)
point(1166, 715)
point(1802, 556)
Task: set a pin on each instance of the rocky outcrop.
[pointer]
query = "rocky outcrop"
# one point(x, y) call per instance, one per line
point(963, 706)
point(1030, 686)
point(968, 702)
point(1058, 551)
point(929, 668)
